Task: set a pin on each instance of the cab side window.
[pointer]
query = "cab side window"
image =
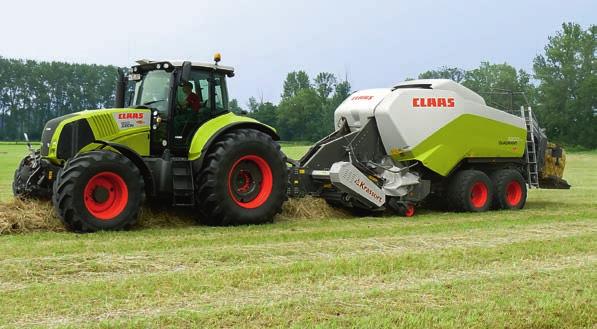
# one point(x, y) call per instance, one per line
point(221, 97)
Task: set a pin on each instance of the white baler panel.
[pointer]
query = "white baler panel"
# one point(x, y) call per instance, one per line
point(445, 84)
point(358, 107)
point(405, 118)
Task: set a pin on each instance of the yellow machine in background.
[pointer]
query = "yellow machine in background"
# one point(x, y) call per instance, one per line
point(553, 170)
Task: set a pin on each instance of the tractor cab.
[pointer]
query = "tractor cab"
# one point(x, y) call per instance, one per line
point(182, 97)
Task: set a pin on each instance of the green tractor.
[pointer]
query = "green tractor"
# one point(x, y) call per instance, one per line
point(175, 143)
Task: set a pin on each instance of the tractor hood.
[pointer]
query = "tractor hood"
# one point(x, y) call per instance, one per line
point(65, 136)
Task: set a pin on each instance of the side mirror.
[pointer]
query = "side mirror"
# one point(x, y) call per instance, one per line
point(185, 74)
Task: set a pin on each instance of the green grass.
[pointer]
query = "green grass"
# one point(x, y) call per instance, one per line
point(10, 156)
point(17, 143)
point(534, 268)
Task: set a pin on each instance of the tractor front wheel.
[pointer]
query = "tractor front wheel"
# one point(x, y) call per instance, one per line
point(243, 180)
point(98, 190)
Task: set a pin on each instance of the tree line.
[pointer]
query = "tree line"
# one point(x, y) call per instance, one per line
point(561, 88)
point(306, 109)
point(32, 93)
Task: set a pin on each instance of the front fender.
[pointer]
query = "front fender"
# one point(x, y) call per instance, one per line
point(209, 131)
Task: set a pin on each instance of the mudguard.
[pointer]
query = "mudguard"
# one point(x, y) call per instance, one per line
point(209, 132)
point(136, 158)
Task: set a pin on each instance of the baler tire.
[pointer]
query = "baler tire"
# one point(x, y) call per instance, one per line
point(77, 182)
point(470, 191)
point(265, 174)
point(510, 189)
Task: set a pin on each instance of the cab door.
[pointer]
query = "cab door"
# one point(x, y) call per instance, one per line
point(194, 106)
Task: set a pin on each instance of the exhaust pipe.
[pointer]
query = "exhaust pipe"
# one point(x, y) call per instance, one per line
point(120, 89)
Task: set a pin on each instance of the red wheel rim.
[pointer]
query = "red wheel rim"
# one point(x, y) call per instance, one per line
point(410, 211)
point(479, 194)
point(105, 195)
point(250, 181)
point(513, 193)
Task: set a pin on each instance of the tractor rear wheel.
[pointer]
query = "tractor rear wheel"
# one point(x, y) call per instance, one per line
point(243, 180)
point(98, 190)
point(510, 189)
point(470, 190)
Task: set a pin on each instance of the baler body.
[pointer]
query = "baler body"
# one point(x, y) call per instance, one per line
point(436, 122)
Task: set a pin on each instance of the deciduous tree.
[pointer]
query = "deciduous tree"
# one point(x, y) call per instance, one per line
point(567, 75)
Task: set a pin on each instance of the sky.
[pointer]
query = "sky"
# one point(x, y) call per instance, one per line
point(372, 43)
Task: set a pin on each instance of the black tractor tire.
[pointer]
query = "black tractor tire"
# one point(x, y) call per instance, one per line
point(97, 191)
point(510, 189)
point(17, 181)
point(470, 191)
point(243, 180)
point(25, 172)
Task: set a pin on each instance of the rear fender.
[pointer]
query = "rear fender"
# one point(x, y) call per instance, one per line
point(209, 132)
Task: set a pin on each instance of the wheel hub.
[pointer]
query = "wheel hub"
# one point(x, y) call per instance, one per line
point(100, 194)
point(246, 181)
point(250, 181)
point(479, 194)
point(513, 193)
point(106, 195)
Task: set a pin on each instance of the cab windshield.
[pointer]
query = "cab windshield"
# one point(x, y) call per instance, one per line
point(153, 90)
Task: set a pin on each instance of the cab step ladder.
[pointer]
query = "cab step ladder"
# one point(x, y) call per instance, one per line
point(531, 148)
point(183, 190)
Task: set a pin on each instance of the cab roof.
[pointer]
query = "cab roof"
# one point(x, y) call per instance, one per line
point(228, 70)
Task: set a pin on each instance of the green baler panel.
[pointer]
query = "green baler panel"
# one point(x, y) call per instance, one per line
point(468, 136)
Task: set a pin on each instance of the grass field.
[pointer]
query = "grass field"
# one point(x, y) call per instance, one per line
point(10, 156)
point(534, 268)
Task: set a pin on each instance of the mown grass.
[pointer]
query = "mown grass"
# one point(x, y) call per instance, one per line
point(534, 268)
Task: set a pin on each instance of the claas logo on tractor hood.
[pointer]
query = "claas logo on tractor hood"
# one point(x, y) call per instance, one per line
point(125, 116)
point(434, 102)
point(127, 120)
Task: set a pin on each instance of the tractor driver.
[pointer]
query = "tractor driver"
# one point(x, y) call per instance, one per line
point(192, 100)
point(188, 109)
